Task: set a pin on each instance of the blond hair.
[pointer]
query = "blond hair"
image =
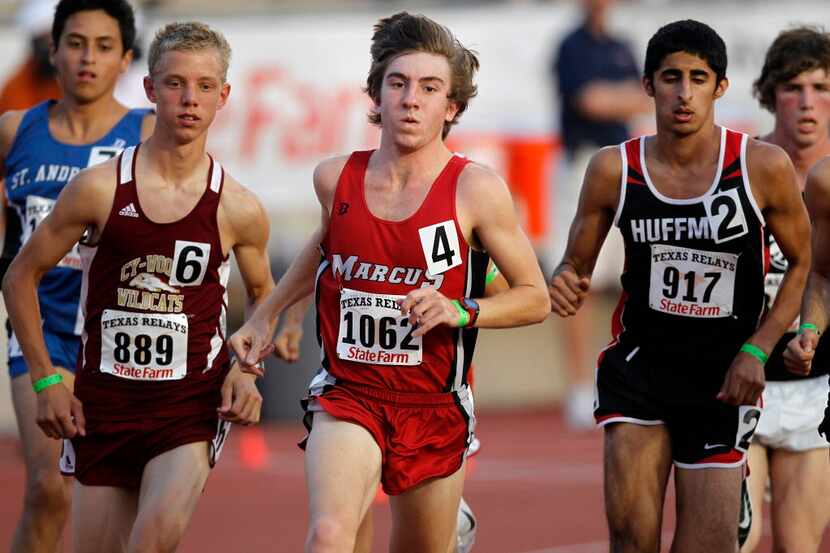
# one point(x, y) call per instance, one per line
point(189, 37)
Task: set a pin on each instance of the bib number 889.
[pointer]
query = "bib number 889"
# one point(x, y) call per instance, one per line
point(143, 349)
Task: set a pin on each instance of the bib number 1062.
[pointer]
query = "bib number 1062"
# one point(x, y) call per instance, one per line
point(373, 331)
point(383, 331)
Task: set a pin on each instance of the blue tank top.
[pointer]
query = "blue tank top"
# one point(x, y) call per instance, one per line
point(37, 169)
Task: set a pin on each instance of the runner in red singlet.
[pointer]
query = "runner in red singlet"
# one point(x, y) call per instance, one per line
point(154, 388)
point(403, 236)
point(287, 348)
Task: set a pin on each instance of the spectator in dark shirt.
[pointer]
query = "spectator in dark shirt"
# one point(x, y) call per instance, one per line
point(599, 89)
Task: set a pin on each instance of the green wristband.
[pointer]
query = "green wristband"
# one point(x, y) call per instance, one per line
point(47, 381)
point(808, 326)
point(491, 274)
point(463, 316)
point(755, 352)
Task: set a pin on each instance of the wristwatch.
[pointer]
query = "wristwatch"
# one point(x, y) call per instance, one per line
point(472, 308)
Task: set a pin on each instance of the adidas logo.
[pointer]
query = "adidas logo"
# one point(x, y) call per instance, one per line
point(129, 211)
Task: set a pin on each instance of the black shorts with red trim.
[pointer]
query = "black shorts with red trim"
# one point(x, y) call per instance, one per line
point(651, 387)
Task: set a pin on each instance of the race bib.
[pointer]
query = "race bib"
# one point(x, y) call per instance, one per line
point(372, 330)
point(441, 249)
point(692, 283)
point(144, 346)
point(100, 154)
point(726, 216)
point(37, 208)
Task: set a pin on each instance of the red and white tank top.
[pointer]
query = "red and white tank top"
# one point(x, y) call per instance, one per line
point(154, 298)
point(369, 264)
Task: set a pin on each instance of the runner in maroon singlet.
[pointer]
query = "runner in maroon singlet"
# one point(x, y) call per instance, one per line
point(155, 392)
point(404, 231)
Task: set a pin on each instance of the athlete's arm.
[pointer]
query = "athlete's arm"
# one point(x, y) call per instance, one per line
point(613, 100)
point(83, 203)
point(816, 302)
point(287, 341)
point(485, 207)
point(775, 187)
point(494, 282)
point(243, 218)
point(253, 342)
point(9, 123)
point(147, 125)
point(594, 216)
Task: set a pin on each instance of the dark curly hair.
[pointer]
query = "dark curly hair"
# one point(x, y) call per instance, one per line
point(793, 52)
point(688, 36)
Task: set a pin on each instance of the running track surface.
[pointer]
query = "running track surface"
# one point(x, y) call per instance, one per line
point(535, 487)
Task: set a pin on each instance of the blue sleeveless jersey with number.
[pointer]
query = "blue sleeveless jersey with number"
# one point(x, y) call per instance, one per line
point(37, 169)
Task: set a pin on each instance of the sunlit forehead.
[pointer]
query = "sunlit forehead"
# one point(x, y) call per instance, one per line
point(421, 67)
point(199, 66)
point(812, 78)
point(94, 25)
point(106, 40)
point(680, 63)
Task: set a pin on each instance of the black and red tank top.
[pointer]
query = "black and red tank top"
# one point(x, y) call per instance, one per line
point(693, 281)
point(154, 298)
point(369, 263)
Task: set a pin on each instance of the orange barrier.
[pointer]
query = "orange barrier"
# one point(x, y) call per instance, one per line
point(525, 162)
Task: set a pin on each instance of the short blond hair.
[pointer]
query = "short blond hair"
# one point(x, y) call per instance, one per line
point(189, 37)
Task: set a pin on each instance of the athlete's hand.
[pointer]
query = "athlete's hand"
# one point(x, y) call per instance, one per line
point(798, 357)
point(241, 401)
point(744, 381)
point(251, 344)
point(567, 291)
point(59, 413)
point(287, 342)
point(428, 308)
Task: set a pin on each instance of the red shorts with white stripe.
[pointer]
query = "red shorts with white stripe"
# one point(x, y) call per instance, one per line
point(638, 386)
point(421, 436)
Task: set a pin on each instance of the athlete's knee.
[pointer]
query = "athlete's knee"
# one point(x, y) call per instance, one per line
point(157, 533)
point(633, 523)
point(754, 537)
point(47, 492)
point(628, 537)
point(791, 542)
point(723, 539)
point(330, 534)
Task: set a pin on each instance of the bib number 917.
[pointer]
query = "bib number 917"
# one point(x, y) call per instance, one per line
point(692, 283)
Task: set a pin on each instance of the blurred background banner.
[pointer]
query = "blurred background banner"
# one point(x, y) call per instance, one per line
point(297, 81)
point(297, 74)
